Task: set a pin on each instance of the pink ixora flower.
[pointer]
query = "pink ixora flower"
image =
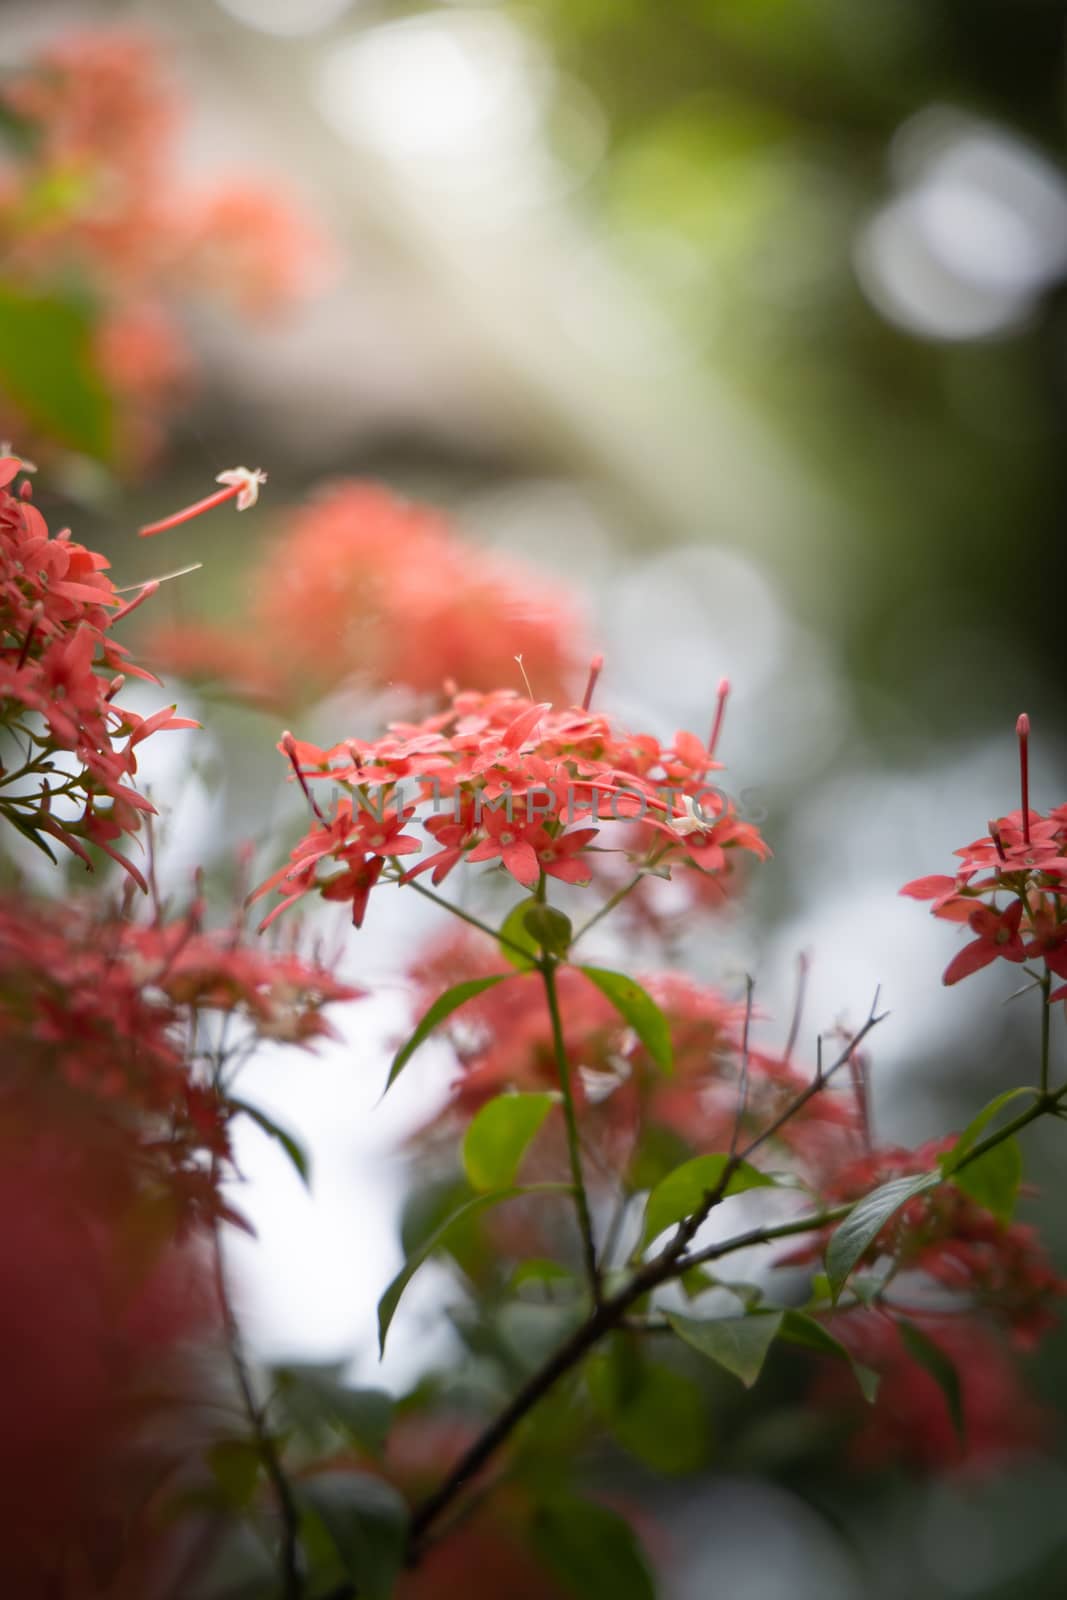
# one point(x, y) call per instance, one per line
point(515, 775)
point(998, 935)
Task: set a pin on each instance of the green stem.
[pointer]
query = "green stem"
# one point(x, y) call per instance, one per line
point(1046, 1016)
point(289, 1515)
point(619, 896)
point(464, 916)
point(613, 1311)
point(547, 969)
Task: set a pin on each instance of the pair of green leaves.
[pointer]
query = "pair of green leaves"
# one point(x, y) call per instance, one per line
point(740, 1345)
point(441, 1237)
point(634, 1004)
point(364, 1521)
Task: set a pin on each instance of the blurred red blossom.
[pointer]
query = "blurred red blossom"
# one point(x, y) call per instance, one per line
point(97, 1021)
point(503, 1040)
point(362, 585)
point(948, 1242)
point(91, 192)
point(909, 1423)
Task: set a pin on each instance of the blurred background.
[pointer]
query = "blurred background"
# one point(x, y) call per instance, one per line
point(745, 319)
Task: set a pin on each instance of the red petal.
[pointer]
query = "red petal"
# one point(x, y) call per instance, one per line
point(970, 959)
point(931, 888)
point(521, 861)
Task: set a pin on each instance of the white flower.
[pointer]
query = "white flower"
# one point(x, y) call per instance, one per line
point(692, 819)
point(249, 480)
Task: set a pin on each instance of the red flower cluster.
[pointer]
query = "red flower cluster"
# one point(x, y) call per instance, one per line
point(909, 1423)
point(502, 1039)
point(1023, 856)
point(957, 1245)
point(90, 183)
point(365, 586)
point(96, 1016)
point(60, 670)
point(499, 778)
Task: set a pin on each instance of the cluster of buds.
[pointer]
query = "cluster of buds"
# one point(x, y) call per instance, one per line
point(503, 779)
point(1022, 858)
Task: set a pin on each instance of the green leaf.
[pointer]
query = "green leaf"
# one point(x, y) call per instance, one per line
point(391, 1298)
point(993, 1179)
point(941, 1368)
point(313, 1395)
point(740, 1344)
point(653, 1412)
point(638, 1009)
point(798, 1328)
point(234, 1465)
point(978, 1125)
point(294, 1150)
point(28, 831)
point(696, 1281)
point(367, 1521)
point(591, 1550)
point(442, 1007)
point(865, 1222)
point(683, 1191)
point(518, 937)
point(541, 1271)
point(551, 929)
point(47, 369)
point(658, 1151)
point(499, 1137)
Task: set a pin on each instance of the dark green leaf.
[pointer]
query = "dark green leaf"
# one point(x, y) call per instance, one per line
point(295, 1151)
point(696, 1281)
point(798, 1328)
point(235, 1465)
point(591, 1550)
point(442, 1007)
point(740, 1344)
point(391, 1298)
point(977, 1126)
point(28, 831)
point(499, 1136)
point(655, 1413)
point(550, 928)
point(993, 1179)
point(865, 1222)
point(315, 1396)
point(683, 1191)
point(941, 1368)
point(638, 1009)
point(659, 1150)
point(367, 1521)
point(47, 369)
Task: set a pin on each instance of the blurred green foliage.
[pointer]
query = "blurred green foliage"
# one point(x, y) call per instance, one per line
point(749, 142)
